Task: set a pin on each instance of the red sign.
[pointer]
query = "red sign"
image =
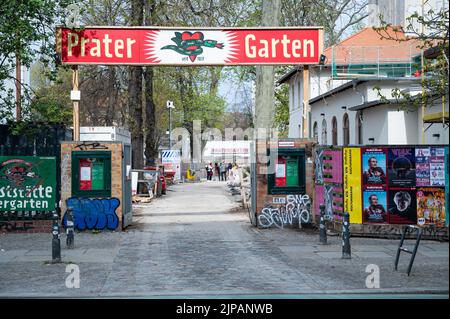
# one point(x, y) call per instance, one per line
point(175, 46)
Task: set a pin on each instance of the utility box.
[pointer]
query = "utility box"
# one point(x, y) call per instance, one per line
point(281, 196)
point(96, 179)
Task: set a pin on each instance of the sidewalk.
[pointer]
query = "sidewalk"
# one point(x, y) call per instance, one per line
point(193, 242)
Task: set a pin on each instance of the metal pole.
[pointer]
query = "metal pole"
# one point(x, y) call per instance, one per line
point(56, 243)
point(346, 250)
point(323, 227)
point(170, 128)
point(76, 106)
point(70, 229)
point(419, 236)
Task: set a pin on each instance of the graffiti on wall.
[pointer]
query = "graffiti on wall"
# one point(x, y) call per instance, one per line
point(93, 213)
point(296, 209)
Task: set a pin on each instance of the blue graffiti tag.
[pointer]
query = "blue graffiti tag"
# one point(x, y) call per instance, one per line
point(93, 213)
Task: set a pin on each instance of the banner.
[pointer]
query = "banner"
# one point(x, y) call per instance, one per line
point(431, 206)
point(402, 167)
point(190, 46)
point(352, 184)
point(27, 183)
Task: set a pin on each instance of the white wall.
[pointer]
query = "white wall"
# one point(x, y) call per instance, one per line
point(436, 128)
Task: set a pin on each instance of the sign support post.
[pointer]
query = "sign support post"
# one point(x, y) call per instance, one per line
point(75, 97)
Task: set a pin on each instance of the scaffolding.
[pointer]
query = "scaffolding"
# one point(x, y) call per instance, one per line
point(350, 62)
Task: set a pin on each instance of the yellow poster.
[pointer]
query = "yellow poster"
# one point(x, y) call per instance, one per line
point(352, 184)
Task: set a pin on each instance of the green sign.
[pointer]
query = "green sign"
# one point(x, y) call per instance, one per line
point(292, 171)
point(97, 175)
point(27, 183)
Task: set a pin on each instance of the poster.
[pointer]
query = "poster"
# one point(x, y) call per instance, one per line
point(332, 166)
point(27, 183)
point(337, 202)
point(318, 198)
point(318, 167)
point(375, 207)
point(352, 184)
point(401, 167)
point(446, 187)
point(430, 166)
point(402, 206)
point(437, 166)
point(374, 167)
point(431, 206)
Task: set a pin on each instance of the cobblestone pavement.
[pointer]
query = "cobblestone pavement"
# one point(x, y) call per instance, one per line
point(196, 242)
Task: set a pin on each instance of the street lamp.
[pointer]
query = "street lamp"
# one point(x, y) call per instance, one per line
point(170, 106)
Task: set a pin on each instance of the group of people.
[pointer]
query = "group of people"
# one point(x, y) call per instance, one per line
point(221, 172)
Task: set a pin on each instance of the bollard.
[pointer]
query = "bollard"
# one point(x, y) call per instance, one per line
point(346, 251)
point(322, 226)
point(70, 229)
point(56, 243)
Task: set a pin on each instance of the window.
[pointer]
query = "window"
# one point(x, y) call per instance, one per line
point(324, 132)
point(91, 173)
point(289, 176)
point(315, 132)
point(346, 129)
point(334, 131)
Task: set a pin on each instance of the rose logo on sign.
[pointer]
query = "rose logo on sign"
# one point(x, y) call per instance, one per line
point(17, 171)
point(190, 44)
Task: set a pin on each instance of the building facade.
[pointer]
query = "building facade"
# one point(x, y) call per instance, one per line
point(351, 98)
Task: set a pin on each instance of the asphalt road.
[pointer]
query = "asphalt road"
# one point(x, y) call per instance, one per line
point(195, 242)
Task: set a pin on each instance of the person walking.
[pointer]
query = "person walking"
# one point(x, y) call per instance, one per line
point(209, 169)
point(217, 171)
point(223, 171)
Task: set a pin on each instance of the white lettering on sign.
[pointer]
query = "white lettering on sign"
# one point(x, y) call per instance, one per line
point(105, 47)
point(264, 49)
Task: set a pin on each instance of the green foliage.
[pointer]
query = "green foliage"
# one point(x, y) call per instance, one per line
point(432, 31)
point(27, 33)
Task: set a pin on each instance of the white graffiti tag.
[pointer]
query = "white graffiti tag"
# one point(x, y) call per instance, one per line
point(298, 207)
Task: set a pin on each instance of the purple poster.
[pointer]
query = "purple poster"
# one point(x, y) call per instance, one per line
point(401, 167)
point(332, 166)
point(318, 199)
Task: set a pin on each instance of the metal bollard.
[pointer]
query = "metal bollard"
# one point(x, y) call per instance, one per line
point(346, 251)
point(70, 240)
point(322, 226)
point(56, 242)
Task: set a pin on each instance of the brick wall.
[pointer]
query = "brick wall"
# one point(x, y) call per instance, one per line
point(26, 226)
point(262, 196)
point(116, 172)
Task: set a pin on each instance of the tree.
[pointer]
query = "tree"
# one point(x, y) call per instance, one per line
point(26, 34)
point(430, 30)
point(135, 94)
